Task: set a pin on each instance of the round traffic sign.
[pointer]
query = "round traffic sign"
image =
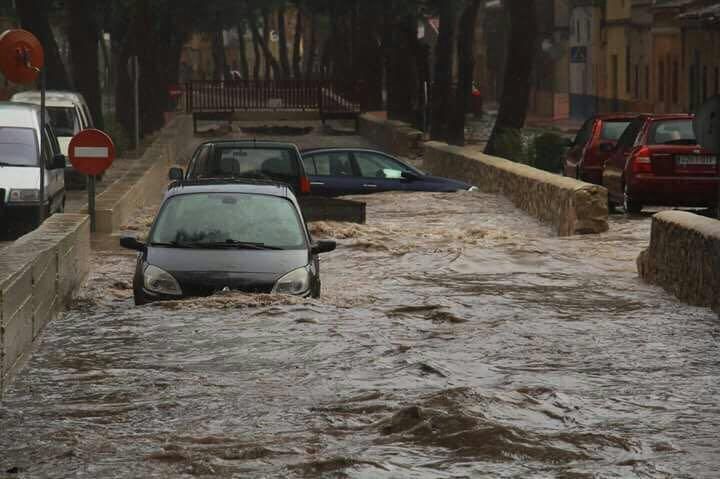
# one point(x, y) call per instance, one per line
point(21, 56)
point(91, 152)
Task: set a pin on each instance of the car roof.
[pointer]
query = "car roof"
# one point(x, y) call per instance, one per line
point(50, 94)
point(345, 148)
point(231, 185)
point(250, 144)
point(671, 116)
point(618, 116)
point(22, 115)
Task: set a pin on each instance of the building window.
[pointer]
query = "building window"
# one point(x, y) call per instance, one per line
point(675, 83)
point(705, 84)
point(661, 81)
point(578, 33)
point(628, 70)
point(637, 82)
point(588, 30)
point(647, 82)
point(717, 80)
point(693, 86)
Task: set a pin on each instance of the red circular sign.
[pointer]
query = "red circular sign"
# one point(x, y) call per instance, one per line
point(91, 152)
point(21, 56)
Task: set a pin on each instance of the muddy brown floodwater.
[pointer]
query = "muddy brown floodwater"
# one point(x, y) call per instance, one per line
point(456, 337)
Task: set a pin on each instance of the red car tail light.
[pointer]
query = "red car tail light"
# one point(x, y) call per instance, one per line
point(304, 185)
point(641, 162)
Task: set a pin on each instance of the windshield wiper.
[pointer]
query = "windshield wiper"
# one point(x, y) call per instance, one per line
point(2, 163)
point(173, 244)
point(235, 244)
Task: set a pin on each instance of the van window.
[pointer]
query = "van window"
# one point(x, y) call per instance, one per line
point(18, 147)
point(64, 119)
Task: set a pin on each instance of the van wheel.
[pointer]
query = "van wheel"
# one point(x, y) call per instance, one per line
point(630, 206)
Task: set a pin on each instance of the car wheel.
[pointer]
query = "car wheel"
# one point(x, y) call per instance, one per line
point(629, 205)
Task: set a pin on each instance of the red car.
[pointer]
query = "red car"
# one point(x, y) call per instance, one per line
point(593, 145)
point(658, 162)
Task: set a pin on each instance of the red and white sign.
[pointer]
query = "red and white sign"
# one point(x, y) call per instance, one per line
point(91, 152)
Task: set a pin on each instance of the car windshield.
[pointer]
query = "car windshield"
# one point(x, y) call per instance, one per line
point(613, 129)
point(672, 132)
point(18, 147)
point(232, 218)
point(270, 163)
point(64, 120)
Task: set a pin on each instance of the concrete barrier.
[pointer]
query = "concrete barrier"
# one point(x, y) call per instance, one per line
point(570, 206)
point(39, 274)
point(684, 257)
point(392, 136)
point(146, 182)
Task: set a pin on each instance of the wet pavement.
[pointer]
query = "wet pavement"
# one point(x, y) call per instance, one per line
point(456, 337)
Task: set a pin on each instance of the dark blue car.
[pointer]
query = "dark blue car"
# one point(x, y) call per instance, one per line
point(353, 171)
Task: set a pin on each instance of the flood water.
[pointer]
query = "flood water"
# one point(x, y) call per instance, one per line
point(456, 337)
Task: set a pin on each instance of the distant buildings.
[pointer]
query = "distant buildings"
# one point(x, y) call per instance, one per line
point(617, 55)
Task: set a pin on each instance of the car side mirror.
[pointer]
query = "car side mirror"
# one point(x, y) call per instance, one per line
point(58, 162)
point(606, 147)
point(130, 242)
point(323, 246)
point(176, 174)
point(410, 176)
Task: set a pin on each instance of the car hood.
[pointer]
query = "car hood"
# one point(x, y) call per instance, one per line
point(460, 185)
point(236, 261)
point(203, 272)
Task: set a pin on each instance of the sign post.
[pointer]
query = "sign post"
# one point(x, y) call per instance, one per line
point(21, 61)
point(91, 153)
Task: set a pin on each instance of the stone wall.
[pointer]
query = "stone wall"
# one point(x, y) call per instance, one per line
point(147, 181)
point(39, 274)
point(570, 206)
point(684, 257)
point(392, 136)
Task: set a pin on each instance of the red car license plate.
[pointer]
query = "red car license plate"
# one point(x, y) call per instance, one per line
point(683, 161)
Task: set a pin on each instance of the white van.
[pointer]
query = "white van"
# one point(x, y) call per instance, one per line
point(20, 164)
point(69, 115)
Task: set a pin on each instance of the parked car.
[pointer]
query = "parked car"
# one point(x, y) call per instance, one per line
point(20, 164)
point(658, 162)
point(238, 235)
point(69, 115)
point(247, 159)
point(593, 145)
point(352, 171)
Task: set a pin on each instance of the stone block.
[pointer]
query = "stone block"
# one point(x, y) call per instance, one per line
point(17, 335)
point(684, 257)
point(15, 292)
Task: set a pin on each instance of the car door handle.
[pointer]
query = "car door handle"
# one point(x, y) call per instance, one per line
point(369, 186)
point(317, 183)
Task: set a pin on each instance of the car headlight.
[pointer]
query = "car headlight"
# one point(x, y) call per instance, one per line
point(157, 280)
point(473, 188)
point(295, 282)
point(24, 196)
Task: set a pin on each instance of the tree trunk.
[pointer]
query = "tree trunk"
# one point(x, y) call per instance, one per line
point(242, 47)
point(442, 87)
point(297, 43)
point(370, 53)
point(466, 67)
point(123, 83)
point(265, 45)
point(271, 64)
point(33, 15)
point(257, 66)
point(516, 85)
point(84, 38)
point(218, 53)
point(311, 51)
point(402, 74)
point(283, 46)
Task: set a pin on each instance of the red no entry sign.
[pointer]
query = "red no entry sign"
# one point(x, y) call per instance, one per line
point(91, 152)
